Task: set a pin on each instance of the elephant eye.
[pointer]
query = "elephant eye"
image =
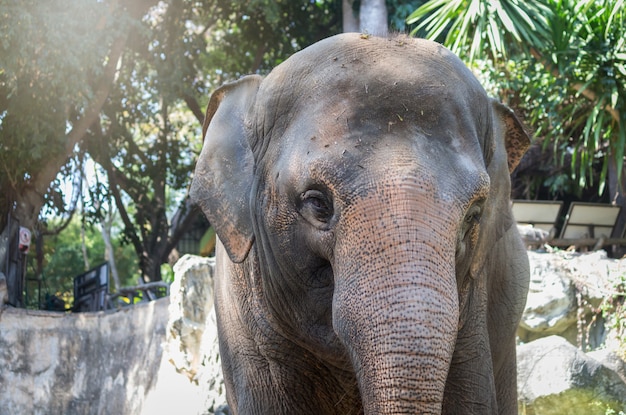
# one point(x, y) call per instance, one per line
point(472, 217)
point(316, 206)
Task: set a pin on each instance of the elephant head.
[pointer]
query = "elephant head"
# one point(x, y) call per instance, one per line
point(369, 261)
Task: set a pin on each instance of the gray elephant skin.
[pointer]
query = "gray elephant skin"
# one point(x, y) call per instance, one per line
point(368, 261)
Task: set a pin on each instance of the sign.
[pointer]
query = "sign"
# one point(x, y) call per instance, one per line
point(24, 245)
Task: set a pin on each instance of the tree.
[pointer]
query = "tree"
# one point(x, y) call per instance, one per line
point(377, 16)
point(58, 66)
point(567, 61)
point(148, 128)
point(126, 83)
point(62, 259)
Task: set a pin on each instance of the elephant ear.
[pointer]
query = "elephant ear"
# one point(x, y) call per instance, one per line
point(223, 177)
point(516, 140)
point(510, 143)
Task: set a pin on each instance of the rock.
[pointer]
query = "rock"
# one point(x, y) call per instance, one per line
point(4, 291)
point(551, 304)
point(610, 359)
point(556, 378)
point(211, 378)
point(192, 342)
point(191, 300)
point(553, 376)
point(533, 236)
point(556, 280)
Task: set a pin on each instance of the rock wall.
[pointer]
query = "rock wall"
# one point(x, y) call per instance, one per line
point(81, 363)
point(566, 290)
point(192, 344)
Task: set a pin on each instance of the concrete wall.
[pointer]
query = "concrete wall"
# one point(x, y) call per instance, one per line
point(80, 363)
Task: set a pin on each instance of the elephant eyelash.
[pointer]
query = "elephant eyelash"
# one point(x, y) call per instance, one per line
point(472, 218)
point(316, 206)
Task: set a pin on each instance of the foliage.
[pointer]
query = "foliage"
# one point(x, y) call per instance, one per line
point(254, 36)
point(143, 70)
point(473, 28)
point(167, 273)
point(562, 62)
point(62, 260)
point(135, 78)
point(399, 11)
point(50, 60)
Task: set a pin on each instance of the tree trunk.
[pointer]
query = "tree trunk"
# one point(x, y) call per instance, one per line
point(31, 198)
point(109, 252)
point(350, 19)
point(373, 17)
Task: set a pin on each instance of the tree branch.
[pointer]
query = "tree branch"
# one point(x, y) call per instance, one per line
point(128, 224)
point(181, 222)
point(194, 106)
point(31, 198)
point(258, 58)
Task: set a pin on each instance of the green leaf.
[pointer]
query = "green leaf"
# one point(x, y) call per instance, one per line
point(506, 21)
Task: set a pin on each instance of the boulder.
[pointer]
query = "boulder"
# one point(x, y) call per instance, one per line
point(556, 378)
point(566, 287)
point(551, 304)
point(533, 236)
point(610, 359)
point(192, 342)
point(191, 300)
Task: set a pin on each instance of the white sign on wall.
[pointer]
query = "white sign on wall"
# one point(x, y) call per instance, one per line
point(24, 239)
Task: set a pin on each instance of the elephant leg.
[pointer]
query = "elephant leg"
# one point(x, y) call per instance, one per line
point(507, 299)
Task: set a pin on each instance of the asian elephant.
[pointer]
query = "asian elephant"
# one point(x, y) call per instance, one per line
point(368, 261)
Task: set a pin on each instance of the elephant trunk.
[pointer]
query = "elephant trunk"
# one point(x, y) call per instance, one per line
point(395, 308)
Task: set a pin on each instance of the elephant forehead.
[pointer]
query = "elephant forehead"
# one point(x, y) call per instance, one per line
point(400, 55)
point(350, 63)
point(353, 165)
point(373, 84)
point(352, 128)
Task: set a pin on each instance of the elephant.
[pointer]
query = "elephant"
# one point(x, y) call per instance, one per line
point(367, 259)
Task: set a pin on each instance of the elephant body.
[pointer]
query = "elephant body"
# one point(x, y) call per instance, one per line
point(368, 261)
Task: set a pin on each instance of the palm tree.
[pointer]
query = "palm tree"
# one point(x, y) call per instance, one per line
point(574, 54)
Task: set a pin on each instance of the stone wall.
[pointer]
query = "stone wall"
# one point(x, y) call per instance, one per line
point(80, 363)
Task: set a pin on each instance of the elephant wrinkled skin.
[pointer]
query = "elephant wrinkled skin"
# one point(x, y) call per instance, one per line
point(368, 260)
